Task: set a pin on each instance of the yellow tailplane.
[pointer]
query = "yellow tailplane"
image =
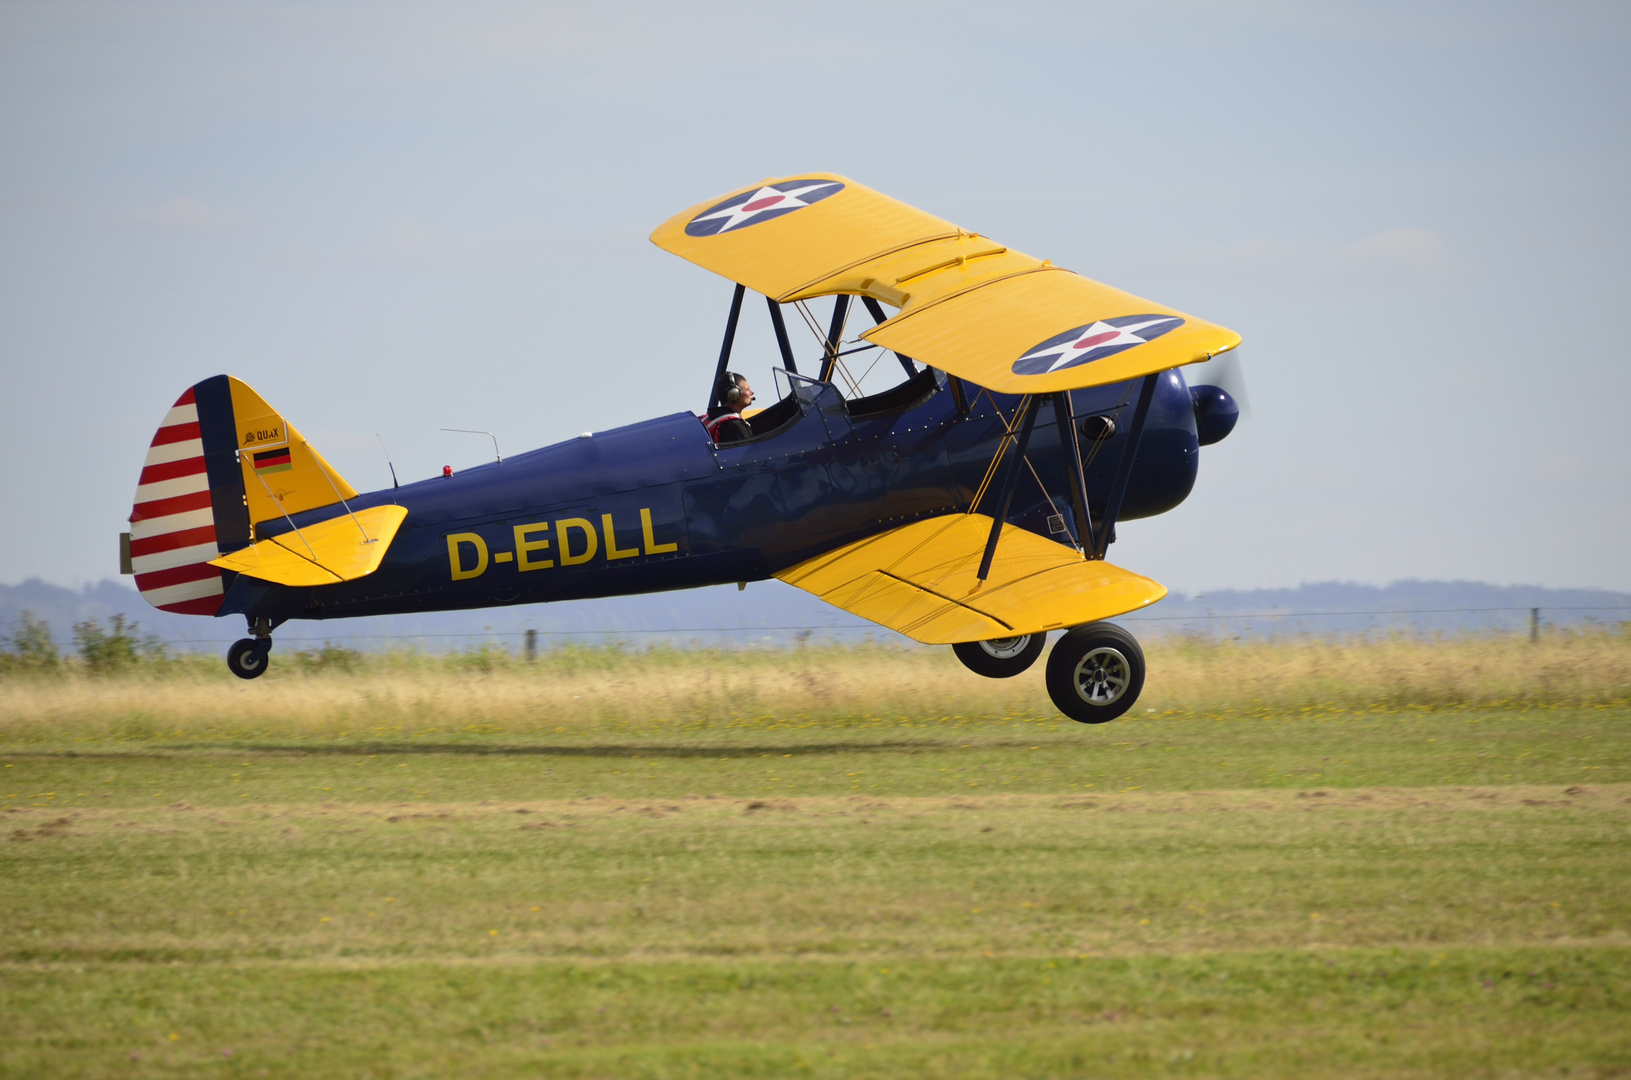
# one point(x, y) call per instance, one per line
point(342, 548)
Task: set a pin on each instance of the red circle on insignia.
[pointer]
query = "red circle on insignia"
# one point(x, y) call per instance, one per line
point(1096, 339)
point(760, 204)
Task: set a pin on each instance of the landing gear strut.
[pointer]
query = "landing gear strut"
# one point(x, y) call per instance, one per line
point(249, 657)
point(1095, 672)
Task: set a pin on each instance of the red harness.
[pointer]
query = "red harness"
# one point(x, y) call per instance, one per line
point(713, 425)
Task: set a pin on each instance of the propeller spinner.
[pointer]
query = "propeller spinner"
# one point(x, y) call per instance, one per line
point(1218, 391)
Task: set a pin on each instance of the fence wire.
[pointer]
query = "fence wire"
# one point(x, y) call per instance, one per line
point(1210, 618)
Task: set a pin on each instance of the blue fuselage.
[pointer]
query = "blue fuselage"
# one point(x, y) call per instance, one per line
point(656, 506)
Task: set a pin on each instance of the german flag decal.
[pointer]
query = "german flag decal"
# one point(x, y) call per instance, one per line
point(271, 461)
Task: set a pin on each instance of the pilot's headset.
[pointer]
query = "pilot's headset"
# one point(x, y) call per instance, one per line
point(730, 389)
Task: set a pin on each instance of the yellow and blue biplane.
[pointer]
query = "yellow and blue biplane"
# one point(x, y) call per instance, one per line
point(970, 504)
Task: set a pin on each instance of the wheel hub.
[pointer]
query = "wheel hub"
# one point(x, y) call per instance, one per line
point(1005, 648)
point(1102, 676)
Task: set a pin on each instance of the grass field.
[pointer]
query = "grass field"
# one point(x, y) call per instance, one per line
point(1390, 858)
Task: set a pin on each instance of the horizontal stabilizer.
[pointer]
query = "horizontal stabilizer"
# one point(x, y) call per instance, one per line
point(342, 548)
point(920, 580)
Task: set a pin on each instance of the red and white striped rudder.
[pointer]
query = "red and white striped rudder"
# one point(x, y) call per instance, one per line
point(172, 528)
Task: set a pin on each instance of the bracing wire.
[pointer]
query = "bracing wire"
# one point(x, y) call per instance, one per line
point(1010, 434)
point(1051, 505)
point(810, 322)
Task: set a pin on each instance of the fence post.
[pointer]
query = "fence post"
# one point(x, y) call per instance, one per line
point(1534, 624)
point(532, 644)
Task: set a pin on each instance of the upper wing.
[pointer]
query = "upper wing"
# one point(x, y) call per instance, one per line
point(919, 579)
point(782, 237)
point(1048, 329)
point(342, 548)
point(969, 306)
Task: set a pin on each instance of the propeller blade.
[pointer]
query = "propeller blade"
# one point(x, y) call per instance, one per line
point(1227, 374)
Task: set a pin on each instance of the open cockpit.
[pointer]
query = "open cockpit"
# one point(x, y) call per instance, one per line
point(861, 380)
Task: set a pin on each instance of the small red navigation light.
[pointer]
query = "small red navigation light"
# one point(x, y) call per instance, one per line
point(447, 470)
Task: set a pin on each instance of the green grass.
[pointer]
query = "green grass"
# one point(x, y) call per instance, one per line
point(1338, 890)
point(1508, 1012)
point(906, 756)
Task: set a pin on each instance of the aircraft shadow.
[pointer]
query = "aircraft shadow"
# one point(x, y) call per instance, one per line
point(608, 750)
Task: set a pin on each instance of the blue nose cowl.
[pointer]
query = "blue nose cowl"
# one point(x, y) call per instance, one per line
point(1215, 413)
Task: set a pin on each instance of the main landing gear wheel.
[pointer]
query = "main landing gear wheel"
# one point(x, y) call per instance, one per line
point(249, 657)
point(1000, 658)
point(1095, 673)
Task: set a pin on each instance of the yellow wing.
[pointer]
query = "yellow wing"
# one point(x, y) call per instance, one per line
point(919, 579)
point(342, 548)
point(1023, 334)
point(968, 306)
point(797, 232)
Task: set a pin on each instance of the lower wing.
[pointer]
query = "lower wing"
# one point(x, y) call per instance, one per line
point(920, 579)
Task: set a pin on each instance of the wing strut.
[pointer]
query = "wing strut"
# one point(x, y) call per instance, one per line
point(1027, 405)
point(840, 310)
point(1064, 413)
point(781, 335)
point(1095, 542)
point(725, 346)
point(1124, 469)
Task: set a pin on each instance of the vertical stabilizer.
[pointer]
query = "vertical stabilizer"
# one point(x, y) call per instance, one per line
point(282, 473)
point(222, 462)
point(189, 503)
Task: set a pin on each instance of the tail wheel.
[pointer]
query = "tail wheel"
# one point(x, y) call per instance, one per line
point(249, 657)
point(1095, 673)
point(1001, 658)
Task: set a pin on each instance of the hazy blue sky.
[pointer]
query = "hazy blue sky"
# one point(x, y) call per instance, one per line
point(399, 217)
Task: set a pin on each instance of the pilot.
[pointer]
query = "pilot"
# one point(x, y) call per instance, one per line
point(724, 423)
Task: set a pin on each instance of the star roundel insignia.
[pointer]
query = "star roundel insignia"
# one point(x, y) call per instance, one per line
point(1095, 341)
point(760, 204)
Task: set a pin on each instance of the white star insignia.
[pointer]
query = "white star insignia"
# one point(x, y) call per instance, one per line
point(766, 198)
point(1098, 336)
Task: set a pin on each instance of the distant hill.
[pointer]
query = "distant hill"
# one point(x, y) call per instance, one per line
point(766, 612)
point(771, 613)
point(1405, 606)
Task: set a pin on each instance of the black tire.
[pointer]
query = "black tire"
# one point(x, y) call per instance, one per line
point(249, 657)
point(1001, 658)
point(1095, 673)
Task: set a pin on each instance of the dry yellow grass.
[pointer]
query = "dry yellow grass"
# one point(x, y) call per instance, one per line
point(584, 689)
point(1590, 668)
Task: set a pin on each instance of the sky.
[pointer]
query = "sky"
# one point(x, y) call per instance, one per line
point(392, 218)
